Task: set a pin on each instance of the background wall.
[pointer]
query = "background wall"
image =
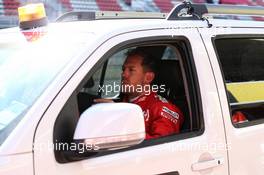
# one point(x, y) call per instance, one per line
point(54, 8)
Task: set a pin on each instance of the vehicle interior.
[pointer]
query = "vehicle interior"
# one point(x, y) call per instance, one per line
point(169, 73)
point(241, 60)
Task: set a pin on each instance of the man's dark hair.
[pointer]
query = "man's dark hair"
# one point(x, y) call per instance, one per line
point(148, 61)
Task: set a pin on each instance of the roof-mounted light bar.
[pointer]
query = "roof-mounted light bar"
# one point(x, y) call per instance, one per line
point(32, 16)
point(86, 16)
point(189, 11)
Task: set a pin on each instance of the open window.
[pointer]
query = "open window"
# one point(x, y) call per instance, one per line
point(106, 81)
point(242, 65)
point(175, 71)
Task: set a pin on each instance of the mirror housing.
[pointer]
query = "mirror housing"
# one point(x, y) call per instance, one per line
point(110, 126)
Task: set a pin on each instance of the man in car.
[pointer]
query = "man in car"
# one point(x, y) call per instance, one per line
point(162, 118)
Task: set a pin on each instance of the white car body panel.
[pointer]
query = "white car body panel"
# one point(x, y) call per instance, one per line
point(246, 153)
point(151, 159)
point(17, 164)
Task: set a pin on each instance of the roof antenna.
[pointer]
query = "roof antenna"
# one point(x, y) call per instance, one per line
point(191, 11)
point(208, 23)
point(186, 11)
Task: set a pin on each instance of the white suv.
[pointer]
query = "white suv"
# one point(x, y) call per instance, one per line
point(212, 68)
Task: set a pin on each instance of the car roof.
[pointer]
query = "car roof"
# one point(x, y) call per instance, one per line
point(163, 23)
point(128, 25)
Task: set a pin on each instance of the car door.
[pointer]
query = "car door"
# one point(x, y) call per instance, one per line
point(236, 55)
point(199, 150)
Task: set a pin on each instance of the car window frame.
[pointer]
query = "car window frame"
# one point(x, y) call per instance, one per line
point(194, 91)
point(234, 36)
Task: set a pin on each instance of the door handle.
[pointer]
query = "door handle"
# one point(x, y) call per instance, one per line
point(207, 164)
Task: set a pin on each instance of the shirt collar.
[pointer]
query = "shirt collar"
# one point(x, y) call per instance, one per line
point(140, 97)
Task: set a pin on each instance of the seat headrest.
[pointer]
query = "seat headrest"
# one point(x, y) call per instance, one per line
point(169, 74)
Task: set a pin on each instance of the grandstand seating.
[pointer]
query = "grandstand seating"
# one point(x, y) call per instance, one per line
point(128, 2)
point(111, 5)
point(8, 8)
point(164, 5)
point(146, 5)
point(242, 2)
point(2, 9)
point(199, 1)
point(84, 5)
point(67, 4)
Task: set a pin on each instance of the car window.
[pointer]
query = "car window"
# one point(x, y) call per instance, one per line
point(105, 82)
point(107, 79)
point(112, 78)
point(242, 64)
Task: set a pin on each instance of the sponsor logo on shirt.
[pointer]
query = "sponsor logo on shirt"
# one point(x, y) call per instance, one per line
point(170, 112)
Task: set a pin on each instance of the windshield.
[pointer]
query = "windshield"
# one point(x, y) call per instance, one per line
point(27, 68)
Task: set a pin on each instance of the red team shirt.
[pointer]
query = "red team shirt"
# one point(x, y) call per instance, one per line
point(161, 117)
point(239, 117)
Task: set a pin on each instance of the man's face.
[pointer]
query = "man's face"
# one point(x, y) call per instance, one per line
point(133, 74)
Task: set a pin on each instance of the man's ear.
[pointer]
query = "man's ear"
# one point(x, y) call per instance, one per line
point(149, 77)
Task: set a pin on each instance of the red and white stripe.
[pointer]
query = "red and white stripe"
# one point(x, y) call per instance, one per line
point(110, 5)
point(10, 7)
point(164, 5)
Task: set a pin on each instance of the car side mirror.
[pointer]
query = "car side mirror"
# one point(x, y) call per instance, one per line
point(110, 126)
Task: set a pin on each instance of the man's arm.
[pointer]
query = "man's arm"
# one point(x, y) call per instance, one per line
point(103, 100)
